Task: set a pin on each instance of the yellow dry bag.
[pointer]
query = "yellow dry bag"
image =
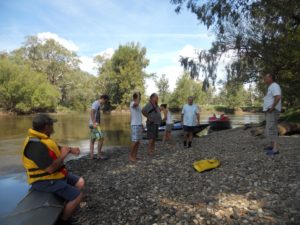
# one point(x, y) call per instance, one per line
point(206, 164)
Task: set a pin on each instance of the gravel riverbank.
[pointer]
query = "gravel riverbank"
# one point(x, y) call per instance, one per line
point(248, 188)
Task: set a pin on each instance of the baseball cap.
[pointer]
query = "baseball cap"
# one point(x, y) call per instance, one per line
point(41, 120)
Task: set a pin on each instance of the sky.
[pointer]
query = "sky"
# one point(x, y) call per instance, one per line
point(92, 27)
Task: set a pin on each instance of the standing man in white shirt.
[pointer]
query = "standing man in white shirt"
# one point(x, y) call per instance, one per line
point(136, 126)
point(272, 109)
point(190, 118)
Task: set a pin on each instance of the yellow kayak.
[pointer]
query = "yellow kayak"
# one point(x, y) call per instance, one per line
point(206, 164)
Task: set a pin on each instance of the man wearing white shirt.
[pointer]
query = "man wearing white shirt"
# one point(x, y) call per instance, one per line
point(190, 118)
point(272, 109)
point(136, 125)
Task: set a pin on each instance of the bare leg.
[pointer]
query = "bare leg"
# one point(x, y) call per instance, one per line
point(92, 142)
point(151, 146)
point(165, 137)
point(100, 144)
point(70, 207)
point(136, 149)
point(274, 145)
point(80, 183)
point(133, 151)
point(190, 136)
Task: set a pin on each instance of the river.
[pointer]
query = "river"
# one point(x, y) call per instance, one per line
point(71, 129)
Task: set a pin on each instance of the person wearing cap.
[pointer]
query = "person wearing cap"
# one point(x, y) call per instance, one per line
point(43, 160)
point(96, 132)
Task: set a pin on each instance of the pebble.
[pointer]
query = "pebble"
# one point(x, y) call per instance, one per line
point(165, 189)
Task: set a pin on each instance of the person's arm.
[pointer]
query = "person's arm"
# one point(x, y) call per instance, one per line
point(277, 98)
point(92, 114)
point(59, 162)
point(182, 114)
point(136, 103)
point(144, 111)
point(165, 115)
point(198, 115)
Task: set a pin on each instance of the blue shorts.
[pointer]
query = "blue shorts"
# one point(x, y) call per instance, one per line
point(64, 188)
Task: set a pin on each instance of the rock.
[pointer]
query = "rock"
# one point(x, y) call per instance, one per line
point(157, 212)
point(164, 189)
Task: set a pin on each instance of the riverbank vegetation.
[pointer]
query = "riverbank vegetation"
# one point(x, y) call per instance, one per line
point(260, 37)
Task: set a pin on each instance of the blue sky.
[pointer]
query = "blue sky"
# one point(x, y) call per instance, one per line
point(91, 27)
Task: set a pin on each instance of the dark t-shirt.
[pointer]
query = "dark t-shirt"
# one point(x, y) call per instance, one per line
point(154, 115)
point(38, 153)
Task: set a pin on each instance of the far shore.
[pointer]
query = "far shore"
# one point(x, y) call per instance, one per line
point(127, 111)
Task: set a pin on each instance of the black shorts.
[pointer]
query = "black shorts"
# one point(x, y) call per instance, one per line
point(152, 131)
point(64, 188)
point(189, 129)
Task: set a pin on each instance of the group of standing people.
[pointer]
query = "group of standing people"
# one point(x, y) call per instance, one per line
point(153, 113)
point(43, 159)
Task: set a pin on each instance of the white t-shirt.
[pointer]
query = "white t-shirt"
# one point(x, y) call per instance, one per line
point(169, 118)
point(273, 90)
point(97, 107)
point(190, 115)
point(136, 115)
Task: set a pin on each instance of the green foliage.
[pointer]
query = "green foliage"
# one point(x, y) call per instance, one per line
point(263, 35)
point(233, 95)
point(123, 73)
point(24, 90)
point(186, 87)
point(162, 85)
point(42, 74)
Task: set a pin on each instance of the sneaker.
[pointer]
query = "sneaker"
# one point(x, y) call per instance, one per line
point(102, 157)
point(184, 143)
point(268, 148)
point(271, 152)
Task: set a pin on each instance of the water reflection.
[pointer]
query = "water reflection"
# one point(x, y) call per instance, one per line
point(71, 129)
point(12, 189)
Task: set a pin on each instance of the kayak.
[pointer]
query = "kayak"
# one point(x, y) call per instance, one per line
point(222, 123)
point(178, 126)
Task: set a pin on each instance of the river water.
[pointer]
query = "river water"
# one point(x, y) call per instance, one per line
point(71, 129)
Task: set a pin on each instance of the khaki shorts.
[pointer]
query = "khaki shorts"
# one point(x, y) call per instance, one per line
point(271, 125)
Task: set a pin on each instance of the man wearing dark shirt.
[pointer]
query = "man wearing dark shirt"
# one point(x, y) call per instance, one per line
point(43, 160)
point(152, 112)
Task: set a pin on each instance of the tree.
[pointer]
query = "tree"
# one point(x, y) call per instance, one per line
point(264, 35)
point(186, 87)
point(49, 57)
point(123, 73)
point(162, 85)
point(23, 90)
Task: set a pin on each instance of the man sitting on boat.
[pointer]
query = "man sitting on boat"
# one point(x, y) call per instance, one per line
point(43, 160)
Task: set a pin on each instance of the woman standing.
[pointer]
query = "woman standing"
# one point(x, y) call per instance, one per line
point(169, 123)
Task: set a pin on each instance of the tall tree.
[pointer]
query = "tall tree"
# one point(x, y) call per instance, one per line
point(162, 85)
point(49, 57)
point(123, 73)
point(186, 87)
point(263, 34)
